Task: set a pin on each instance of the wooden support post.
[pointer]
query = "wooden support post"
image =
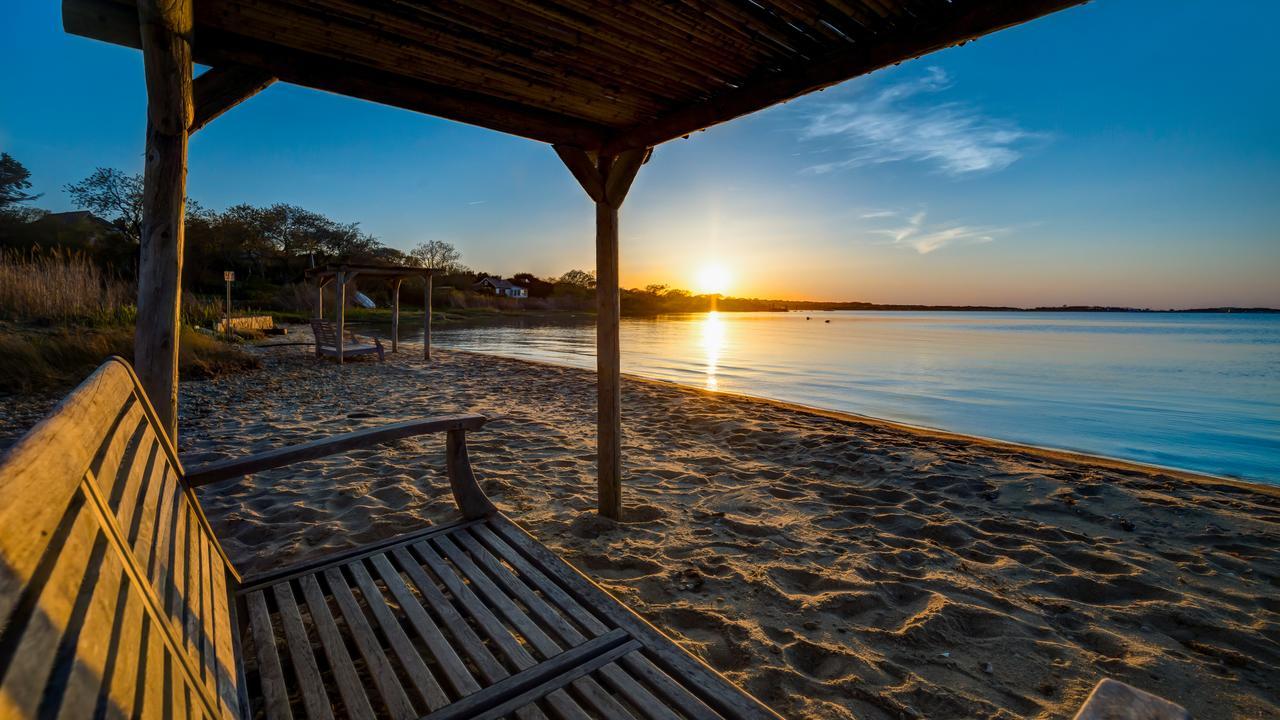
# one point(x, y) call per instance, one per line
point(165, 27)
point(340, 312)
point(426, 321)
point(395, 314)
point(606, 179)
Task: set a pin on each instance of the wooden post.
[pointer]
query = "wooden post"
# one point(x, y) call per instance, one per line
point(395, 314)
point(320, 283)
point(426, 321)
point(165, 27)
point(340, 312)
point(606, 179)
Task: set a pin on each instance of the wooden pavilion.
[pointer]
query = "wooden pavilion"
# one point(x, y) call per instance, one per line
point(603, 83)
point(397, 274)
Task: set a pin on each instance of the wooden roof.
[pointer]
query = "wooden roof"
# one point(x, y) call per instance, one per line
point(604, 75)
point(392, 271)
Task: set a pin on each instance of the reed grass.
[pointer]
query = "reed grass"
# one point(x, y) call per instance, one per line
point(61, 287)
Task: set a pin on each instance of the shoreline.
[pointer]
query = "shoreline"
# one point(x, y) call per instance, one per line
point(835, 566)
point(1061, 454)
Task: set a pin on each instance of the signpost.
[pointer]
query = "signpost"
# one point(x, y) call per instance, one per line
point(229, 276)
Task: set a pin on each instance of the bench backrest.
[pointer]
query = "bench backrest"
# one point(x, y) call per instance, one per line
point(326, 333)
point(113, 591)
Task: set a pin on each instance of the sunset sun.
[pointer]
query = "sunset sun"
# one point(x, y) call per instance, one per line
point(713, 279)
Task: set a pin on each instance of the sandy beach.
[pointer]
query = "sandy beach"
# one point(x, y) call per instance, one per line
point(835, 567)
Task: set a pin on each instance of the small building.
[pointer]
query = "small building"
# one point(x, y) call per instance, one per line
point(498, 286)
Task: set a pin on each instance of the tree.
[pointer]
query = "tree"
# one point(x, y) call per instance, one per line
point(578, 278)
point(15, 180)
point(114, 195)
point(438, 255)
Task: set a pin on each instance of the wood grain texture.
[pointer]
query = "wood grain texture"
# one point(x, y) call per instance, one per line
point(118, 573)
point(165, 28)
point(219, 89)
point(238, 467)
point(606, 78)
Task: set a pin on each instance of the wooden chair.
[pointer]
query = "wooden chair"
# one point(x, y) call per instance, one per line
point(326, 333)
point(116, 599)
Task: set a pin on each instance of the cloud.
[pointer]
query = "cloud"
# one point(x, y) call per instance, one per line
point(925, 239)
point(892, 125)
point(877, 214)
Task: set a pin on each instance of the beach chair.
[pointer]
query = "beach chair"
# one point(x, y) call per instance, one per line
point(326, 333)
point(117, 600)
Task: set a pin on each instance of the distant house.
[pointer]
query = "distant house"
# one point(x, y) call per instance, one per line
point(90, 227)
point(498, 286)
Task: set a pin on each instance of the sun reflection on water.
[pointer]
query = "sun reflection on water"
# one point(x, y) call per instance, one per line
point(713, 341)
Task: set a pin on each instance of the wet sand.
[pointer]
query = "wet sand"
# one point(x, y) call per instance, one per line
point(836, 567)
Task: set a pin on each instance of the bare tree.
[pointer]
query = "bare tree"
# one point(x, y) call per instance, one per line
point(438, 255)
point(114, 195)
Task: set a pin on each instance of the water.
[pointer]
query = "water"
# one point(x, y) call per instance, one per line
point(1192, 391)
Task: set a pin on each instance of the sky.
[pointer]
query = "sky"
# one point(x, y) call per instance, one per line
point(1126, 153)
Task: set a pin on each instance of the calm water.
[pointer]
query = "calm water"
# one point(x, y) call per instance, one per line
point(1199, 392)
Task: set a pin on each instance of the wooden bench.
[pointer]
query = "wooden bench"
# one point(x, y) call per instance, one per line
point(327, 342)
point(116, 599)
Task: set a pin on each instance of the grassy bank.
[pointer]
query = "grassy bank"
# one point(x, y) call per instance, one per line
point(55, 359)
point(61, 316)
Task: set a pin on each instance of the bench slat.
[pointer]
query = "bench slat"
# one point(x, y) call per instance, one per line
point(489, 668)
point(384, 676)
point(349, 684)
point(476, 610)
point(423, 681)
point(601, 700)
point(314, 695)
point(672, 693)
point(455, 672)
point(264, 641)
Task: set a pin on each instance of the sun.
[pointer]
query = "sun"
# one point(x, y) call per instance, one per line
point(713, 279)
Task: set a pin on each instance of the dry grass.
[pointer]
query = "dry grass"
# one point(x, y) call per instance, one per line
point(63, 288)
point(55, 360)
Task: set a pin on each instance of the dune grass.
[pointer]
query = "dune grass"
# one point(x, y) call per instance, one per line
point(61, 316)
point(60, 288)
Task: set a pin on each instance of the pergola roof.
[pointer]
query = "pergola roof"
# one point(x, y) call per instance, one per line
point(391, 271)
point(601, 76)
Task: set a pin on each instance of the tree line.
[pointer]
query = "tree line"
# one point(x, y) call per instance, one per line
point(270, 247)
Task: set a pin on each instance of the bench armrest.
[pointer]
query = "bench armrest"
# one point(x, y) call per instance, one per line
point(467, 493)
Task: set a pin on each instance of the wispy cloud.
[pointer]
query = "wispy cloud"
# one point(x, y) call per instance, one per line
point(924, 238)
point(892, 125)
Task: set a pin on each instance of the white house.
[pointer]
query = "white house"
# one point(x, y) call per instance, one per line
point(498, 286)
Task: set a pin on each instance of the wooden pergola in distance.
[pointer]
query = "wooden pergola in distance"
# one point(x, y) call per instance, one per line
point(602, 82)
point(345, 273)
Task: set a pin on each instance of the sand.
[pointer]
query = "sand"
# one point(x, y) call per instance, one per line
point(835, 567)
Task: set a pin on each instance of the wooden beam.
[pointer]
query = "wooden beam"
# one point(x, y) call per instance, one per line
point(113, 22)
point(607, 179)
point(395, 314)
point(583, 167)
point(608, 360)
point(356, 439)
point(945, 29)
point(219, 89)
point(340, 314)
point(426, 320)
point(164, 27)
point(623, 173)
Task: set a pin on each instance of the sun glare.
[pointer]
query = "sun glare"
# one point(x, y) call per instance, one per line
point(713, 280)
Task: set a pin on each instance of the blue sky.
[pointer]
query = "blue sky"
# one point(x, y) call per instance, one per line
point(1125, 152)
